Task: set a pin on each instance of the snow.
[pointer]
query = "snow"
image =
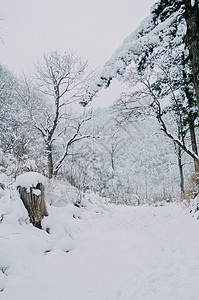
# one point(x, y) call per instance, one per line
point(30, 179)
point(99, 251)
point(147, 36)
point(37, 192)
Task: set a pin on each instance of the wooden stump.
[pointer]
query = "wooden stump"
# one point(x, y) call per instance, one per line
point(34, 201)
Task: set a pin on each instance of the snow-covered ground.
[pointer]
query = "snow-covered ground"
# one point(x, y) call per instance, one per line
point(99, 252)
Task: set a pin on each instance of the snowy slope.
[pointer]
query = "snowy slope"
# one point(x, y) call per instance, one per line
point(99, 252)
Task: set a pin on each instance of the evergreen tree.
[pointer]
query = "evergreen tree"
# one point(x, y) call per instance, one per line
point(170, 22)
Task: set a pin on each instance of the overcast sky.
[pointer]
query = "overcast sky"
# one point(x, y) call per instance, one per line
point(95, 28)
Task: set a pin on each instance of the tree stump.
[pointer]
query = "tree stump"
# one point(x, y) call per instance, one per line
point(33, 198)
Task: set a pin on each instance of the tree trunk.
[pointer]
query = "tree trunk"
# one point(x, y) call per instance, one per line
point(192, 41)
point(50, 160)
point(193, 143)
point(34, 202)
point(180, 166)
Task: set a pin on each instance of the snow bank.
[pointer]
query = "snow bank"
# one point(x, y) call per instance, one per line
point(98, 251)
point(30, 179)
point(24, 247)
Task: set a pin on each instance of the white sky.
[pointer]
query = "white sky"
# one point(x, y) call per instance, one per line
point(95, 28)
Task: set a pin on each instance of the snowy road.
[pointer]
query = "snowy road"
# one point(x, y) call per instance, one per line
point(142, 253)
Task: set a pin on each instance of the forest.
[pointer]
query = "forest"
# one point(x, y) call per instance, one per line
point(48, 127)
point(75, 181)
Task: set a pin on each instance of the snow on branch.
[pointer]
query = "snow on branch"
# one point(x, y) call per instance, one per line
point(144, 38)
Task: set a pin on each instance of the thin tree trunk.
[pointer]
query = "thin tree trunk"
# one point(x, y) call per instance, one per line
point(180, 166)
point(176, 140)
point(112, 162)
point(50, 160)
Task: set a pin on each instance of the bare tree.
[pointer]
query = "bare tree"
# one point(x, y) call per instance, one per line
point(147, 99)
point(62, 79)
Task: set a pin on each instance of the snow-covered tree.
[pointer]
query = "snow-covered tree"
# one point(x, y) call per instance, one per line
point(61, 78)
point(170, 34)
point(144, 164)
point(14, 120)
point(169, 23)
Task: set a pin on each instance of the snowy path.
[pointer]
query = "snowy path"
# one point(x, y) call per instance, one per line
point(142, 253)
